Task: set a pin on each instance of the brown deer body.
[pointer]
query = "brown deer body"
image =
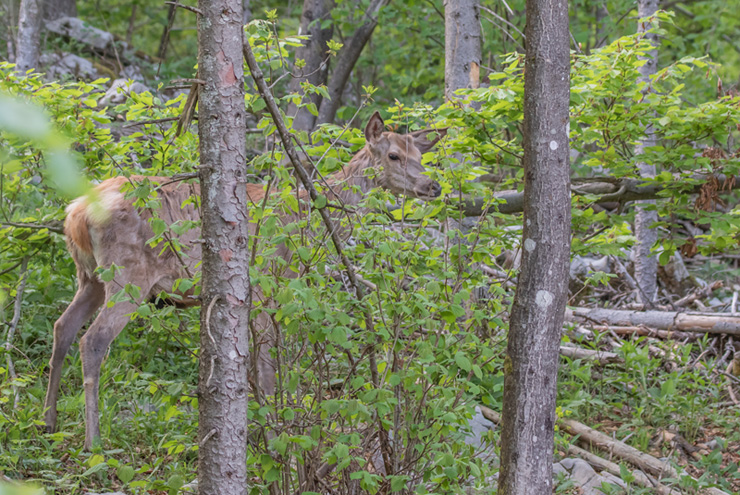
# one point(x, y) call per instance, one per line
point(120, 237)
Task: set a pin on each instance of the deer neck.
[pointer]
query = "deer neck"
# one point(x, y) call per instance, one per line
point(352, 183)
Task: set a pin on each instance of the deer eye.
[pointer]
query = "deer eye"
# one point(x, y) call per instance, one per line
point(393, 157)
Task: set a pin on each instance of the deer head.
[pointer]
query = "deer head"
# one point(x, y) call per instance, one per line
point(397, 159)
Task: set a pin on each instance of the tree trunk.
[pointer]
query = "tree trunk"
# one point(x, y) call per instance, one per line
point(246, 11)
point(313, 52)
point(346, 60)
point(54, 9)
point(28, 44)
point(646, 265)
point(222, 389)
point(164, 40)
point(462, 45)
point(537, 314)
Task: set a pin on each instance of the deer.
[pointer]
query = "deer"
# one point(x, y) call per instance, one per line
point(120, 237)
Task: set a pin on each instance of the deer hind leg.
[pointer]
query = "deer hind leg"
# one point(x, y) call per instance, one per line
point(90, 296)
point(93, 346)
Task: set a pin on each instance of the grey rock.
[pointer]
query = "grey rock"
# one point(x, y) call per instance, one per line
point(79, 30)
point(120, 90)
point(190, 488)
point(716, 443)
point(479, 426)
point(59, 65)
point(558, 468)
point(584, 476)
point(614, 480)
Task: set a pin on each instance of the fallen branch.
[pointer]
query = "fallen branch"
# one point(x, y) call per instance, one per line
point(644, 461)
point(723, 323)
point(608, 189)
point(644, 331)
point(700, 293)
point(601, 357)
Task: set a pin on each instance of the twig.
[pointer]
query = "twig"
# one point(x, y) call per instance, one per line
point(186, 7)
point(14, 324)
point(152, 121)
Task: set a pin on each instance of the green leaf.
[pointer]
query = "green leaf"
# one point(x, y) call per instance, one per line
point(125, 474)
point(462, 361)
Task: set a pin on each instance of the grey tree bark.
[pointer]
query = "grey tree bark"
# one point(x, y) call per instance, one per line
point(646, 265)
point(222, 389)
point(54, 9)
point(314, 53)
point(537, 314)
point(462, 45)
point(346, 60)
point(28, 42)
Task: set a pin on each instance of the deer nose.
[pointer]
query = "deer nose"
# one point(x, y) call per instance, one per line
point(435, 189)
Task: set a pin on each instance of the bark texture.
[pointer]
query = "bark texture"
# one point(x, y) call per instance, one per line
point(462, 45)
point(537, 314)
point(222, 388)
point(646, 265)
point(28, 43)
point(314, 52)
point(54, 9)
point(346, 60)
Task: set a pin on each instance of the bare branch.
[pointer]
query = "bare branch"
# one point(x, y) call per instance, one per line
point(14, 324)
point(55, 227)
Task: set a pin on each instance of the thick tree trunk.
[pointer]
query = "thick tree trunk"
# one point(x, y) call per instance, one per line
point(462, 45)
point(54, 9)
point(646, 265)
point(222, 389)
point(314, 53)
point(346, 60)
point(537, 314)
point(28, 43)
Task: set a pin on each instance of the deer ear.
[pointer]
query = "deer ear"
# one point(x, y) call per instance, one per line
point(374, 128)
point(422, 141)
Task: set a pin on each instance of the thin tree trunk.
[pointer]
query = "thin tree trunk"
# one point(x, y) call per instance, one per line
point(314, 53)
point(346, 60)
point(28, 44)
point(246, 11)
point(54, 9)
point(646, 265)
point(462, 45)
point(537, 314)
point(222, 388)
point(164, 40)
point(131, 23)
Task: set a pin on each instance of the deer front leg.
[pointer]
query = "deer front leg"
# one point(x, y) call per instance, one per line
point(89, 297)
point(93, 347)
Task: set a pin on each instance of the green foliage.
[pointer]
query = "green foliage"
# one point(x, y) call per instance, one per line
point(385, 398)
